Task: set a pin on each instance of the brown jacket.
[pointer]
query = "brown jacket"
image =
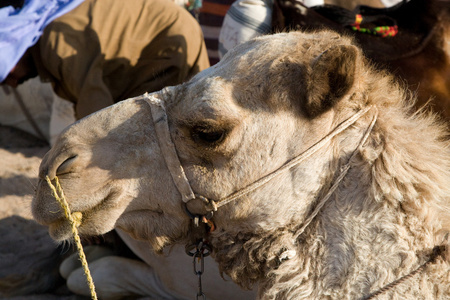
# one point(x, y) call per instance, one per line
point(105, 51)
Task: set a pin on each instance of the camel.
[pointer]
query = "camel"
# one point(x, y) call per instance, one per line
point(305, 172)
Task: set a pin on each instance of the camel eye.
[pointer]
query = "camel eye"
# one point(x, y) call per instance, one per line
point(208, 135)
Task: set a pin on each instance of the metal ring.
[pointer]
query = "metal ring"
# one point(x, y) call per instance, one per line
point(208, 215)
point(190, 215)
point(188, 249)
point(199, 247)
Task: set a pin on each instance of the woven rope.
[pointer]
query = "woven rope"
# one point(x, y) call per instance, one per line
point(436, 252)
point(341, 176)
point(75, 221)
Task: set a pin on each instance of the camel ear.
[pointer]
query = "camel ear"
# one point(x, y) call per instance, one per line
point(332, 76)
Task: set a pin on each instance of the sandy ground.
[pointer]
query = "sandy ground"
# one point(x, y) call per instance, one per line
point(24, 244)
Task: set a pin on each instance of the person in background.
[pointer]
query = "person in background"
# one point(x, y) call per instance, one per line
point(96, 53)
point(210, 15)
point(245, 20)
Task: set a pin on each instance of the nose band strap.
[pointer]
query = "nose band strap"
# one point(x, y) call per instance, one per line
point(167, 147)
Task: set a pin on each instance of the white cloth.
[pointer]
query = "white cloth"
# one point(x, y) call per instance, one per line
point(244, 20)
point(389, 3)
point(311, 3)
point(21, 28)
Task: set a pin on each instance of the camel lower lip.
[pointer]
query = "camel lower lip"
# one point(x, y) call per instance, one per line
point(60, 230)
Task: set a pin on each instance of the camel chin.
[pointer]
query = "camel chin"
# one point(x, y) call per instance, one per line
point(60, 231)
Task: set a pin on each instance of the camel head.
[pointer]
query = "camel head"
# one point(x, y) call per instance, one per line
point(267, 101)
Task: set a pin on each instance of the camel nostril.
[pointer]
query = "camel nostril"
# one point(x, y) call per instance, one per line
point(66, 166)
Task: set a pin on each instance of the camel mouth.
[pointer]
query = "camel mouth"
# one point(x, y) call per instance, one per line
point(86, 221)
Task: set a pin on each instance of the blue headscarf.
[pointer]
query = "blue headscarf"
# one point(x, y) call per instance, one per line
point(21, 28)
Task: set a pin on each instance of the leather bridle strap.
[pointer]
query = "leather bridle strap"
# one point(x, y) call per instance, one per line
point(172, 160)
point(167, 147)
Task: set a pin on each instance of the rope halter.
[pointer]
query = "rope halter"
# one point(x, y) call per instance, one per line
point(176, 170)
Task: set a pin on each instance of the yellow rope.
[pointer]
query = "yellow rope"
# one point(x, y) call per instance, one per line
point(75, 221)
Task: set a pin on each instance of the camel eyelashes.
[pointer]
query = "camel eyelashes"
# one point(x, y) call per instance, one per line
point(66, 166)
point(208, 135)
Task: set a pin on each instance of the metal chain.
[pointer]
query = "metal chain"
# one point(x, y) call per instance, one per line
point(199, 259)
point(202, 250)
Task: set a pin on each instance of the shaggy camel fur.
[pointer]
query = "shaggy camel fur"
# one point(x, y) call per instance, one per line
point(265, 103)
